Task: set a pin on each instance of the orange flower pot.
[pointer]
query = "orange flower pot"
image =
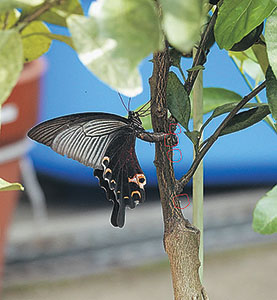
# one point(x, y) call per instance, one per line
point(20, 111)
point(19, 114)
point(10, 172)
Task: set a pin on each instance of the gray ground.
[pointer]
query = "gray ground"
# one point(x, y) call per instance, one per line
point(76, 254)
point(239, 274)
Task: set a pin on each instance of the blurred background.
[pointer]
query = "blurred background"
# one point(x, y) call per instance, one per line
point(61, 244)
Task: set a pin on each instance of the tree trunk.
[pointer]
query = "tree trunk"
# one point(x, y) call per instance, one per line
point(181, 239)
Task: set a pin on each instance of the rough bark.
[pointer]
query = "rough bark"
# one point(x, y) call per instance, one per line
point(181, 239)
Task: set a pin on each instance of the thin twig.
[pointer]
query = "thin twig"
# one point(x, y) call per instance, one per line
point(200, 57)
point(5, 23)
point(182, 73)
point(186, 178)
point(204, 126)
point(204, 294)
point(35, 14)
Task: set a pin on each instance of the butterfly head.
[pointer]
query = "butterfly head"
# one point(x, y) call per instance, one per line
point(133, 116)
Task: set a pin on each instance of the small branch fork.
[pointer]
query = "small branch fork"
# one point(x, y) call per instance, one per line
point(186, 178)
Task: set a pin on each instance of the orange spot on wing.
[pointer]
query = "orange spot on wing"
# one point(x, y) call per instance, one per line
point(138, 179)
point(135, 192)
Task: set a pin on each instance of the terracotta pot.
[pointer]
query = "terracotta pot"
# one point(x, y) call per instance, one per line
point(7, 205)
point(20, 111)
point(19, 114)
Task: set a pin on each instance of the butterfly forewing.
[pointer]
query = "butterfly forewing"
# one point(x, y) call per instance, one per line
point(80, 137)
point(105, 142)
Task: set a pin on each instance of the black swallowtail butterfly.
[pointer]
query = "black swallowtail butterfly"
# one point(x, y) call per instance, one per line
point(105, 142)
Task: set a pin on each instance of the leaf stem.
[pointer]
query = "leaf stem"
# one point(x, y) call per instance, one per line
point(182, 73)
point(198, 182)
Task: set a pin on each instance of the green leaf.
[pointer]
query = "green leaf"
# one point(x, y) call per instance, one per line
point(213, 97)
point(100, 56)
point(271, 91)
point(178, 101)
point(223, 109)
point(196, 68)
point(248, 63)
point(265, 213)
point(7, 20)
point(6, 5)
point(236, 18)
point(182, 21)
point(135, 26)
point(245, 119)
point(7, 186)
point(194, 136)
point(34, 42)
point(11, 61)
point(62, 38)
point(249, 40)
point(146, 121)
point(271, 40)
point(226, 108)
point(261, 55)
point(58, 37)
point(114, 40)
point(243, 55)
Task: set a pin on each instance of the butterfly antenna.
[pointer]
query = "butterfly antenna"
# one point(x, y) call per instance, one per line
point(123, 102)
point(129, 103)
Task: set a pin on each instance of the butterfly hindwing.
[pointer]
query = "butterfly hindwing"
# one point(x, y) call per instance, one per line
point(123, 174)
point(110, 195)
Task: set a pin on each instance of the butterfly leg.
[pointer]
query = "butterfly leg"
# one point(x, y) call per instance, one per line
point(169, 139)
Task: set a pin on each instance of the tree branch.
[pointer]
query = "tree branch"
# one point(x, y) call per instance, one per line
point(164, 166)
point(181, 239)
point(186, 178)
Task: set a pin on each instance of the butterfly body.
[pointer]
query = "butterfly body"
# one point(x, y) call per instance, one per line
point(105, 142)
